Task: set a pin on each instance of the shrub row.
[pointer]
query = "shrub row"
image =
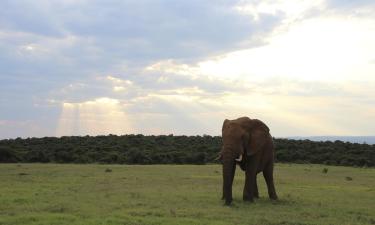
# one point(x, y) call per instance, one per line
point(170, 149)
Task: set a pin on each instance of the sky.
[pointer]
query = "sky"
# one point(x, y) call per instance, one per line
point(92, 67)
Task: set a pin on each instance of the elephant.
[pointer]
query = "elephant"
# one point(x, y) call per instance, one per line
point(247, 142)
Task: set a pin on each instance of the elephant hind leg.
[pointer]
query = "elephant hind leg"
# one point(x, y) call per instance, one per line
point(268, 176)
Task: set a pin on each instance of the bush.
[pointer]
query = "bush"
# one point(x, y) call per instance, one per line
point(140, 149)
point(8, 155)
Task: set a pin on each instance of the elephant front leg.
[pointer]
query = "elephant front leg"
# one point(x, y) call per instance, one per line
point(251, 188)
point(246, 190)
point(256, 193)
point(249, 191)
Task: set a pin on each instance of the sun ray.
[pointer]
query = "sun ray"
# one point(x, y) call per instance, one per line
point(97, 117)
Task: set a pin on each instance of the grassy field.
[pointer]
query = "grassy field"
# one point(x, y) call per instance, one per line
point(180, 194)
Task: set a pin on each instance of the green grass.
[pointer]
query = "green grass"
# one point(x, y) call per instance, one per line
point(181, 194)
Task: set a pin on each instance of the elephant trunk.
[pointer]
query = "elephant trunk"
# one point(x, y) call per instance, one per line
point(229, 168)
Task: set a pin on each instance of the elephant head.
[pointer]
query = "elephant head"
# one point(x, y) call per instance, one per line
point(240, 141)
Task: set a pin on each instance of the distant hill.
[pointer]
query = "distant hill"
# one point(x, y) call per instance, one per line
point(352, 139)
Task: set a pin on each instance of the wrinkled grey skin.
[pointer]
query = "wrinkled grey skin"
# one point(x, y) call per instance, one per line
point(247, 140)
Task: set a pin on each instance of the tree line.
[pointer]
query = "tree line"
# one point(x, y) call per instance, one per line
point(170, 149)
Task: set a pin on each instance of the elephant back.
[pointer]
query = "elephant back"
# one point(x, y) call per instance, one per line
point(246, 123)
point(256, 124)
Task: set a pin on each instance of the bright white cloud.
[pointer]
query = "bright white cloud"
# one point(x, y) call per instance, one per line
point(293, 9)
point(316, 49)
point(118, 88)
point(302, 76)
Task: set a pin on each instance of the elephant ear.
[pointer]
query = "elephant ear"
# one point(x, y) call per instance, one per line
point(224, 124)
point(257, 140)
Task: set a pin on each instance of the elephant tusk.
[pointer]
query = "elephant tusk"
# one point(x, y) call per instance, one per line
point(239, 159)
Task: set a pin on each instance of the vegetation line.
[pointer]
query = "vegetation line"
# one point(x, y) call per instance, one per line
point(170, 149)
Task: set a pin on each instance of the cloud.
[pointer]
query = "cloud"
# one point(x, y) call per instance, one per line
point(322, 48)
point(349, 5)
point(45, 47)
point(167, 29)
point(75, 67)
point(193, 108)
point(99, 116)
point(286, 104)
point(28, 17)
point(143, 30)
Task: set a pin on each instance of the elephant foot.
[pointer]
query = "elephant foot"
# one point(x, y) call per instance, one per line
point(273, 197)
point(228, 202)
point(248, 199)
